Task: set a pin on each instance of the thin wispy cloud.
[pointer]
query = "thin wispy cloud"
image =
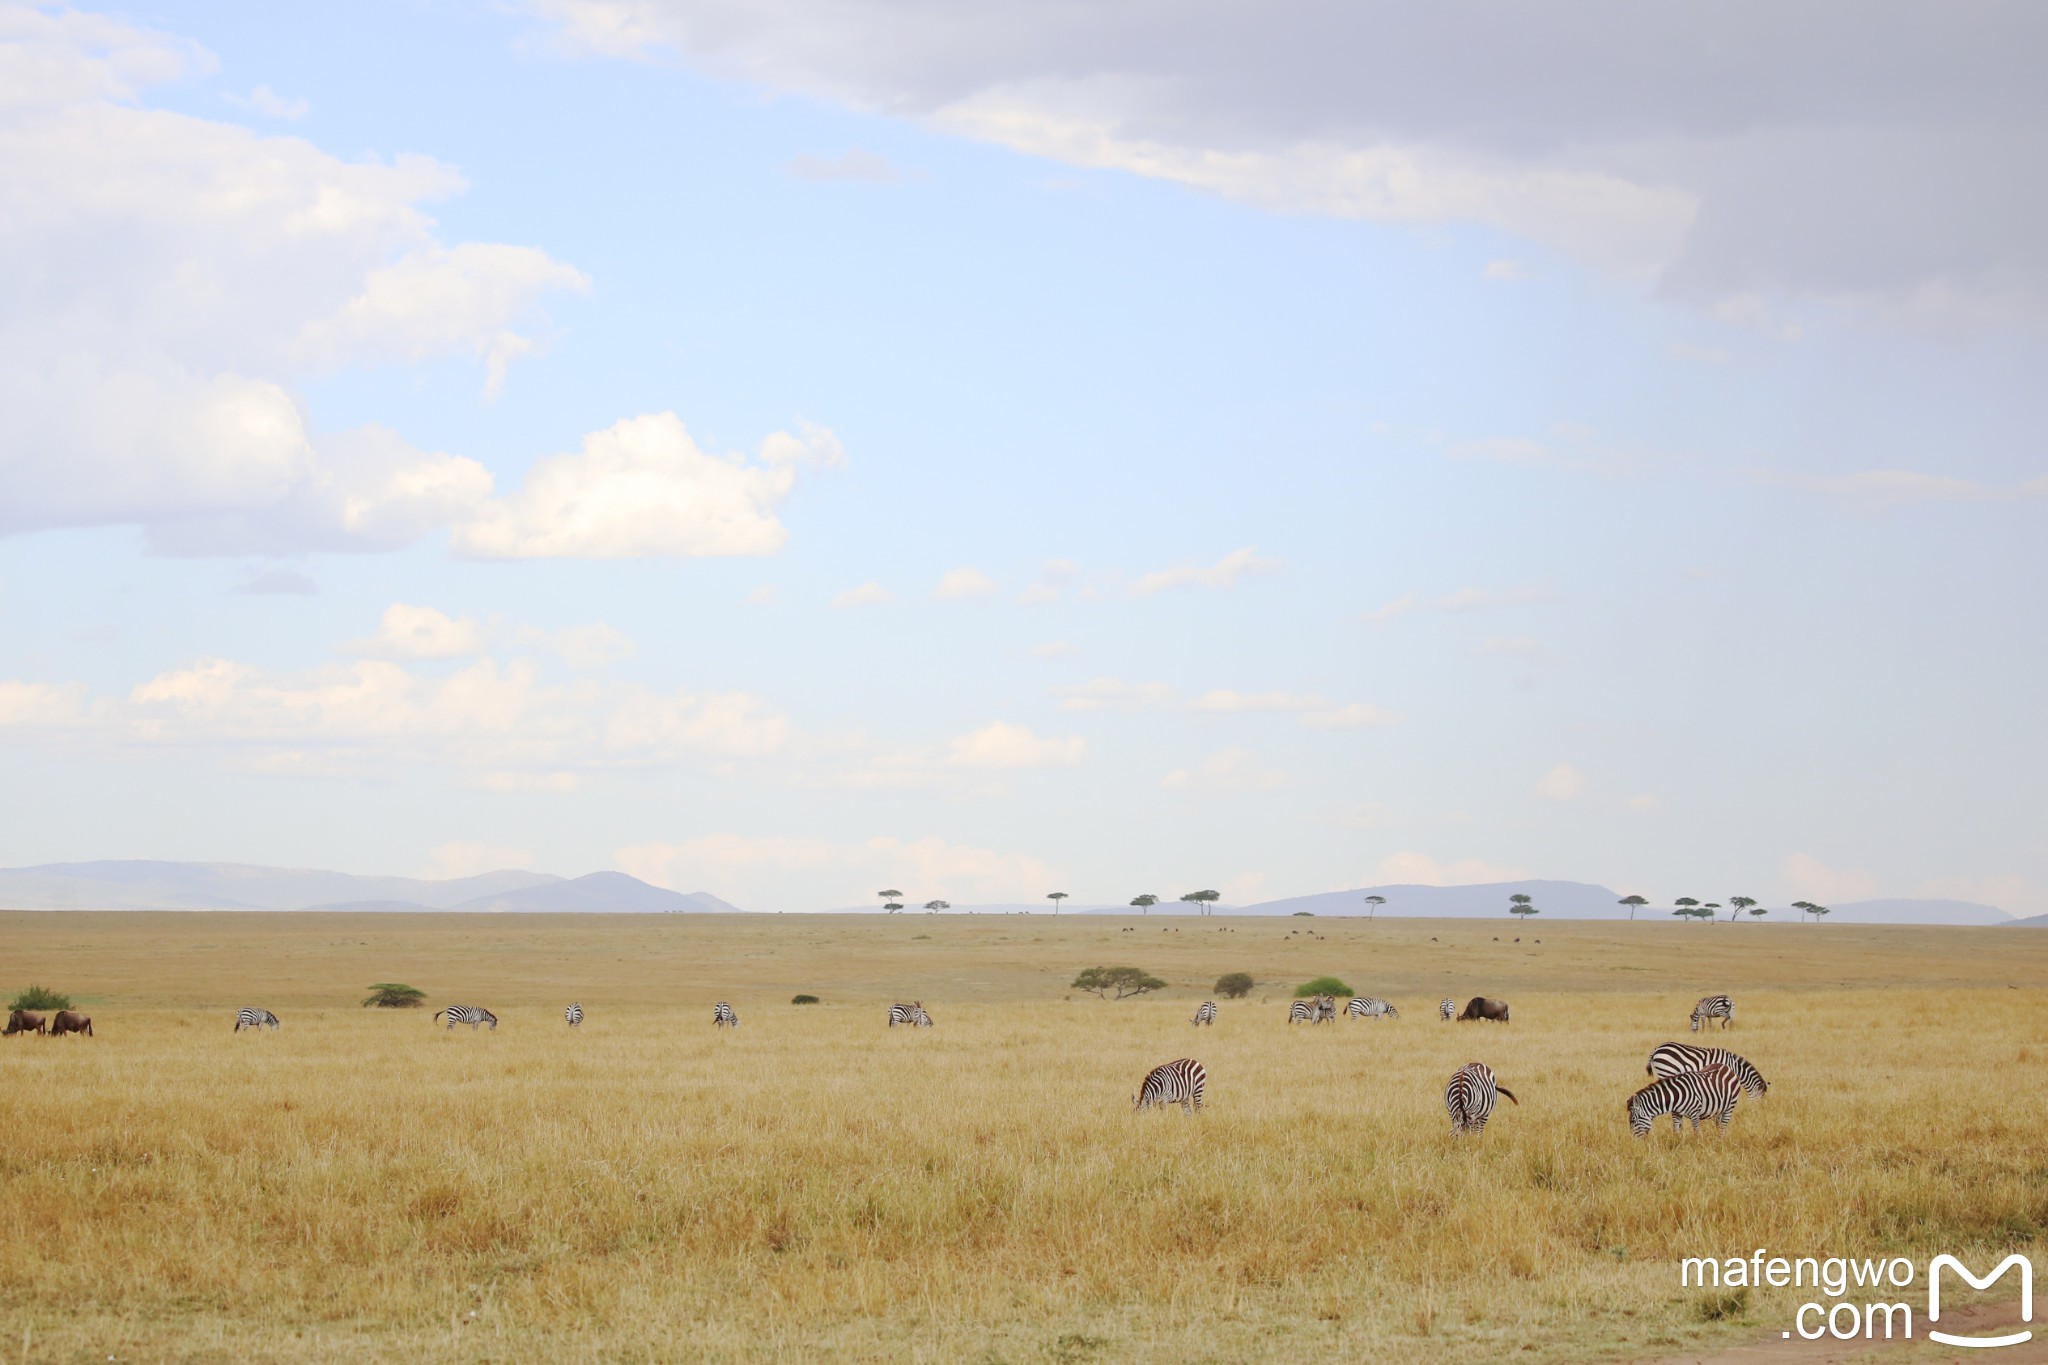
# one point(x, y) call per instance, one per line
point(1224, 573)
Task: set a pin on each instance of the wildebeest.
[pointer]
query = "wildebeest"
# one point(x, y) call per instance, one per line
point(70, 1021)
point(1479, 1007)
point(21, 1021)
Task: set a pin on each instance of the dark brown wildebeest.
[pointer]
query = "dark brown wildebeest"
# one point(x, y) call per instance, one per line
point(21, 1021)
point(70, 1021)
point(1482, 1008)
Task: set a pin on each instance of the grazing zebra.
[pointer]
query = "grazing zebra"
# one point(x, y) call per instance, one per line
point(1709, 1093)
point(1181, 1083)
point(908, 1014)
point(722, 1015)
point(1470, 1097)
point(1205, 1014)
point(574, 1014)
point(1447, 1010)
point(922, 1019)
point(1372, 1007)
point(1312, 1011)
point(251, 1017)
point(1675, 1059)
point(1713, 1007)
point(471, 1015)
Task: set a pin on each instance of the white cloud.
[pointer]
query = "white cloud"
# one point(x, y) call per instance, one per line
point(1002, 745)
point(662, 727)
point(42, 705)
point(961, 583)
point(591, 646)
point(1228, 770)
point(855, 164)
point(1053, 578)
point(1229, 701)
point(764, 596)
point(1420, 869)
point(643, 488)
point(1387, 611)
point(450, 861)
point(866, 595)
point(1316, 712)
point(1113, 694)
point(410, 632)
point(1805, 877)
point(267, 102)
point(1053, 649)
point(1562, 783)
point(1224, 573)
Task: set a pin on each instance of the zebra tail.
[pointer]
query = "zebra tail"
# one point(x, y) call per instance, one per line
point(1509, 1093)
point(435, 1017)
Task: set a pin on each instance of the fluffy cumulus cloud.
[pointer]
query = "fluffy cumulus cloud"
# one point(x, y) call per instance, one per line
point(176, 276)
point(1610, 130)
point(1002, 745)
point(409, 632)
point(643, 488)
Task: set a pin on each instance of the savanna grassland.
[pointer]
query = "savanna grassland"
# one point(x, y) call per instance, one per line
point(365, 1185)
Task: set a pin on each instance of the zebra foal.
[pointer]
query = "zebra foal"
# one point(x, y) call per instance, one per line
point(1713, 1007)
point(471, 1015)
point(1371, 1007)
point(722, 1016)
point(574, 1014)
point(1447, 1010)
point(1205, 1013)
point(251, 1017)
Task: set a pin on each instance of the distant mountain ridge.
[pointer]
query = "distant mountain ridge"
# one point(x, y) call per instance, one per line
point(153, 885)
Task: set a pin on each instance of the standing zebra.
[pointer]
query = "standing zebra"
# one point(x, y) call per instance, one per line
point(1372, 1007)
point(908, 1014)
point(1713, 1007)
point(574, 1014)
point(471, 1015)
point(1447, 1010)
point(251, 1017)
point(1675, 1059)
point(922, 1019)
point(1470, 1097)
point(1205, 1013)
point(1709, 1093)
point(1181, 1082)
point(722, 1016)
point(1312, 1011)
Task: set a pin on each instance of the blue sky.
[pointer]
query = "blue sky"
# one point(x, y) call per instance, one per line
point(793, 450)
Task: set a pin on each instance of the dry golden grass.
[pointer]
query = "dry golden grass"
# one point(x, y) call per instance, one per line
point(365, 1185)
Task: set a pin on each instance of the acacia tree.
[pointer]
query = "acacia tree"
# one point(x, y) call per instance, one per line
point(1684, 906)
point(1202, 900)
point(1373, 903)
point(1055, 897)
point(1145, 903)
point(888, 900)
point(1520, 904)
point(1706, 912)
point(1741, 903)
point(1634, 903)
point(1804, 908)
point(936, 906)
point(1125, 981)
point(1757, 912)
point(1818, 912)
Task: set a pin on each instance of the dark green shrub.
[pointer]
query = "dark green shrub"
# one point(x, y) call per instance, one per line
point(1304, 914)
point(1234, 985)
point(41, 998)
point(803, 1000)
point(1123, 980)
point(1323, 985)
point(392, 995)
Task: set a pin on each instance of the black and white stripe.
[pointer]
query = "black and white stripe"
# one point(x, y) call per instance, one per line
point(1447, 1010)
point(908, 1014)
point(723, 1017)
point(1372, 1007)
point(1205, 1013)
point(1713, 1007)
point(1675, 1059)
point(251, 1017)
point(922, 1019)
point(1710, 1093)
point(574, 1014)
point(471, 1015)
point(1471, 1095)
point(1313, 1011)
point(1179, 1082)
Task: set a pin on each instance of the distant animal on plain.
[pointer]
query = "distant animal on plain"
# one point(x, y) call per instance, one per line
point(1181, 1082)
point(723, 1017)
point(21, 1021)
point(1371, 1007)
point(905, 1014)
point(1470, 1097)
point(1447, 1009)
point(574, 1014)
point(471, 1015)
point(70, 1021)
point(1480, 1007)
point(1713, 1007)
point(1709, 1093)
point(1205, 1013)
point(1673, 1059)
point(251, 1017)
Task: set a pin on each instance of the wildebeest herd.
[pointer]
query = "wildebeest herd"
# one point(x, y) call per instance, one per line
point(56, 1026)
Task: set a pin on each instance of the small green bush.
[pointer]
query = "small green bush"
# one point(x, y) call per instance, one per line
point(393, 995)
point(1304, 914)
point(1234, 985)
point(803, 1000)
point(1323, 985)
point(41, 998)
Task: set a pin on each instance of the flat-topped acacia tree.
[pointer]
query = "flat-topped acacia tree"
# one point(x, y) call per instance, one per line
point(1372, 905)
point(1125, 981)
point(1055, 897)
point(1634, 903)
point(1202, 900)
point(1145, 903)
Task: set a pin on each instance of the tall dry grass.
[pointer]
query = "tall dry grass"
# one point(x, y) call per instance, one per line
point(365, 1184)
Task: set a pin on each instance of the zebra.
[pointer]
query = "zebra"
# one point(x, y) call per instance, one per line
point(1675, 1059)
point(908, 1014)
point(1181, 1082)
point(1709, 1093)
point(722, 1015)
point(1470, 1097)
point(1372, 1007)
point(471, 1015)
point(1447, 1010)
point(574, 1014)
point(1312, 1011)
point(251, 1017)
point(922, 1018)
point(1205, 1013)
point(1713, 1007)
